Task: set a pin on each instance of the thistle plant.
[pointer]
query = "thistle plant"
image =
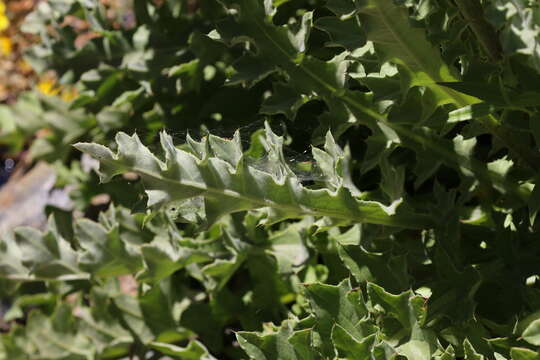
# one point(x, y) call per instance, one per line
point(407, 230)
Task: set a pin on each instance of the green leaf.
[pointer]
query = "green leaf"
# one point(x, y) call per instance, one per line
point(342, 32)
point(518, 24)
point(449, 354)
point(470, 352)
point(193, 351)
point(284, 100)
point(353, 348)
point(383, 269)
point(289, 250)
point(251, 70)
point(495, 95)
point(276, 345)
point(411, 313)
point(534, 203)
point(337, 305)
point(132, 316)
point(517, 353)
point(104, 253)
point(393, 180)
point(301, 340)
point(284, 47)
point(29, 254)
point(532, 333)
point(165, 255)
point(221, 270)
point(388, 26)
point(56, 337)
point(471, 112)
point(114, 246)
point(185, 68)
point(419, 62)
point(230, 185)
point(108, 336)
point(481, 91)
point(398, 306)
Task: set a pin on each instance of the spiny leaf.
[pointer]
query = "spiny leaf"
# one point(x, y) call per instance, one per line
point(103, 250)
point(532, 333)
point(229, 185)
point(417, 342)
point(284, 47)
point(355, 349)
point(56, 337)
point(164, 256)
point(29, 254)
point(193, 351)
point(518, 353)
point(518, 23)
point(420, 64)
point(389, 27)
point(337, 305)
point(276, 345)
point(470, 352)
point(384, 269)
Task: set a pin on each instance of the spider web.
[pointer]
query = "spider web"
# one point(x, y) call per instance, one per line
point(301, 163)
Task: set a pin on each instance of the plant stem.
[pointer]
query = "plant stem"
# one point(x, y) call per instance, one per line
point(473, 13)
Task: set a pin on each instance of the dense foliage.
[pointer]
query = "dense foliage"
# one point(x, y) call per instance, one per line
point(349, 179)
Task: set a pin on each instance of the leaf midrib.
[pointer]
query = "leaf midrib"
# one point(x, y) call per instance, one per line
point(303, 68)
point(421, 63)
point(391, 221)
point(489, 122)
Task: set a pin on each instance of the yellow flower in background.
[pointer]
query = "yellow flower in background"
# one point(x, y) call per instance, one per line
point(4, 21)
point(69, 94)
point(48, 87)
point(5, 45)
